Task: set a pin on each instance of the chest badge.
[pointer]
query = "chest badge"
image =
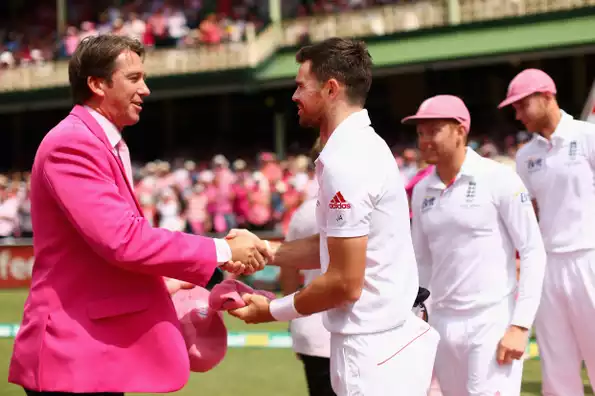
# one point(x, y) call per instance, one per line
point(534, 165)
point(428, 203)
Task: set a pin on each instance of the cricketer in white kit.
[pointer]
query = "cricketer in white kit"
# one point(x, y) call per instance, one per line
point(369, 280)
point(311, 341)
point(469, 216)
point(558, 168)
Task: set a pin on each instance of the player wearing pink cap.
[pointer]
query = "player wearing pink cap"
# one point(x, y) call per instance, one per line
point(558, 168)
point(469, 215)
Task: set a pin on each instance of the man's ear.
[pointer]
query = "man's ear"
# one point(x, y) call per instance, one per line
point(97, 85)
point(462, 132)
point(332, 88)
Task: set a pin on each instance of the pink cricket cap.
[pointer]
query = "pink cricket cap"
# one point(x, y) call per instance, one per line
point(526, 83)
point(442, 107)
point(228, 295)
point(202, 327)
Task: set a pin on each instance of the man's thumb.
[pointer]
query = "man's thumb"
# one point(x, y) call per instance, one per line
point(247, 297)
point(232, 234)
point(500, 354)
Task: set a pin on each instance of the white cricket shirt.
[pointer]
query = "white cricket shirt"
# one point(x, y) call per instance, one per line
point(560, 177)
point(308, 334)
point(362, 193)
point(465, 235)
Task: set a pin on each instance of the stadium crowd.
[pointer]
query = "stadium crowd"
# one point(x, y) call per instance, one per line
point(217, 195)
point(32, 38)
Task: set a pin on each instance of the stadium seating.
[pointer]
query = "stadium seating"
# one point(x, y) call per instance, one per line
point(379, 21)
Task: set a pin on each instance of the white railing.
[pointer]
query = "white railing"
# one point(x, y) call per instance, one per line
point(379, 21)
point(158, 62)
point(482, 10)
point(265, 44)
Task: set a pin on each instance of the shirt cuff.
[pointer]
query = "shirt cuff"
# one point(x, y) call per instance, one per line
point(521, 318)
point(223, 251)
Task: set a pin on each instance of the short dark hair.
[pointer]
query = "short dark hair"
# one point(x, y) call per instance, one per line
point(96, 56)
point(346, 60)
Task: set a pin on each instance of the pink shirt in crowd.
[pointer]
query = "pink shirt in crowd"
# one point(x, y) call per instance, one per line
point(416, 179)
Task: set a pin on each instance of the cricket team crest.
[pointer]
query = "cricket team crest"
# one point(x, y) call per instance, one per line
point(534, 164)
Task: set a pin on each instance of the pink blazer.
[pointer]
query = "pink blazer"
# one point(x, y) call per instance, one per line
point(98, 317)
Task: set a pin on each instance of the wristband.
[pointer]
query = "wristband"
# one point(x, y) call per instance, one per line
point(283, 309)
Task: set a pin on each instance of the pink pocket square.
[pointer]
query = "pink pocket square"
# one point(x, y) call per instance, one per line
point(228, 294)
point(203, 328)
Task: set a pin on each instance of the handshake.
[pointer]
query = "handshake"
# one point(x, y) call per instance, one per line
point(249, 253)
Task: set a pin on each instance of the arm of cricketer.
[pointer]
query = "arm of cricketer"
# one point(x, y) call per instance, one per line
point(289, 276)
point(519, 218)
point(521, 169)
point(347, 239)
point(421, 246)
point(81, 181)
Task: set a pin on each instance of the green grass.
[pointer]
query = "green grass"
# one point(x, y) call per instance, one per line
point(245, 371)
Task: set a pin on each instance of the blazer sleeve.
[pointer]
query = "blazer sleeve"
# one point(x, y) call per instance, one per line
point(79, 177)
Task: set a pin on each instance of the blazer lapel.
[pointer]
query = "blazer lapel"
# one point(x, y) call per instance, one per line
point(95, 128)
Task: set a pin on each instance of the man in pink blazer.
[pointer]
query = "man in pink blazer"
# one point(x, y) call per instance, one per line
point(99, 318)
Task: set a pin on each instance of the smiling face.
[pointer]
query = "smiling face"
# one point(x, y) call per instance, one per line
point(308, 97)
point(121, 97)
point(439, 139)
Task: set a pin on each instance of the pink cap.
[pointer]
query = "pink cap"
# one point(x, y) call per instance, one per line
point(442, 107)
point(203, 328)
point(228, 295)
point(526, 83)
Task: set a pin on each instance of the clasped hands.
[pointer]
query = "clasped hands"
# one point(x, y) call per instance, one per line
point(249, 253)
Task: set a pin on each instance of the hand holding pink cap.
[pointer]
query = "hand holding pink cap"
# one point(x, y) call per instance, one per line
point(227, 295)
point(203, 328)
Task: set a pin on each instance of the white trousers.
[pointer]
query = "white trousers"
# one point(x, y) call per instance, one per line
point(466, 358)
point(395, 362)
point(565, 322)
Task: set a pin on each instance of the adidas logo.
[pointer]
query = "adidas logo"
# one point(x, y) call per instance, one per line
point(338, 202)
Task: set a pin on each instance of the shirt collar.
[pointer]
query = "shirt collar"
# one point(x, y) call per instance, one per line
point(470, 169)
point(113, 135)
point(355, 122)
point(561, 133)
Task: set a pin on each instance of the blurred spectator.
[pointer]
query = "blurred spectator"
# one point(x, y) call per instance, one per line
point(155, 23)
point(32, 38)
point(260, 195)
point(9, 208)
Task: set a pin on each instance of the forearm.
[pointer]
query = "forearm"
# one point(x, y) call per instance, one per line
point(532, 270)
point(290, 280)
point(155, 251)
point(299, 254)
point(325, 292)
